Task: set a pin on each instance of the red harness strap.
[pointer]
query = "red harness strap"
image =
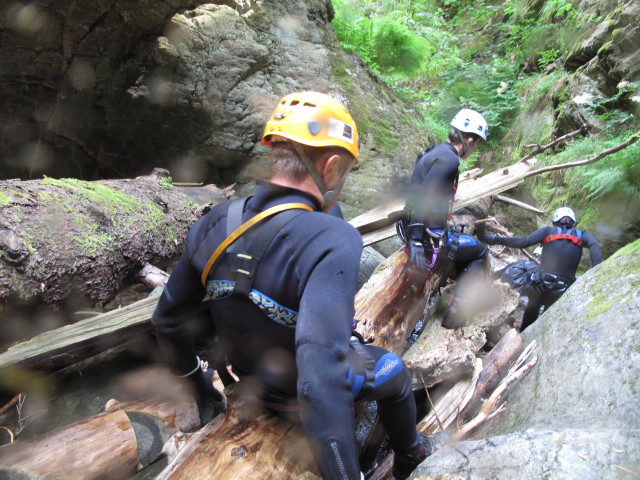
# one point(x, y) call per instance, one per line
point(562, 236)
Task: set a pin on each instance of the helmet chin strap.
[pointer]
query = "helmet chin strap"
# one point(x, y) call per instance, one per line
point(465, 147)
point(328, 196)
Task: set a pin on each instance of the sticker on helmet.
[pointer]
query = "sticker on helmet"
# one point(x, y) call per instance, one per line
point(341, 130)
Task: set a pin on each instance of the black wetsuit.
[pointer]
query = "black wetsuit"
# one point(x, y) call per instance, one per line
point(558, 265)
point(433, 186)
point(293, 336)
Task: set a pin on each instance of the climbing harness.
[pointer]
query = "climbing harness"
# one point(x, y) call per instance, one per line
point(244, 259)
point(238, 205)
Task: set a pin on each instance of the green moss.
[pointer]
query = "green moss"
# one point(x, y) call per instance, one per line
point(606, 297)
point(96, 194)
point(166, 181)
point(4, 199)
point(608, 46)
point(93, 243)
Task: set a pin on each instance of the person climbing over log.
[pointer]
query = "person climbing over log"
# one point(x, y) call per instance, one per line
point(281, 296)
point(562, 246)
point(425, 227)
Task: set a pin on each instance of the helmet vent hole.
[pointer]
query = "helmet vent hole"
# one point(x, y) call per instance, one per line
point(307, 104)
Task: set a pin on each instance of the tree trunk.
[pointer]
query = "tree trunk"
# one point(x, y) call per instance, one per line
point(243, 443)
point(59, 237)
point(494, 367)
point(69, 344)
point(390, 304)
point(113, 445)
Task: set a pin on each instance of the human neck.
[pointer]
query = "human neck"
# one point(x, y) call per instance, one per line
point(458, 146)
point(306, 185)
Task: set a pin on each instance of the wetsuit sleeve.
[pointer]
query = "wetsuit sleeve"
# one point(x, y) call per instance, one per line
point(179, 301)
point(322, 342)
point(595, 252)
point(521, 242)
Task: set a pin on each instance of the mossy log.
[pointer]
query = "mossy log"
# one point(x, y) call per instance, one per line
point(111, 445)
point(64, 237)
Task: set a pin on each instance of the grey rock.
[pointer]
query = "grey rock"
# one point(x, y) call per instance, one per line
point(574, 415)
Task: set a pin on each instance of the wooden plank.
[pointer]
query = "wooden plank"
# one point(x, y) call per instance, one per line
point(66, 345)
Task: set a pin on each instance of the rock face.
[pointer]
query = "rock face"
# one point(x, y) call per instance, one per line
point(112, 89)
point(575, 414)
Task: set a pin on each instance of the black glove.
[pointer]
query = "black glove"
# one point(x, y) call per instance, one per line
point(210, 401)
point(416, 248)
point(490, 238)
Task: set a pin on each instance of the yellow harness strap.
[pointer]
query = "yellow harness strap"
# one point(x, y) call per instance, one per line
point(243, 228)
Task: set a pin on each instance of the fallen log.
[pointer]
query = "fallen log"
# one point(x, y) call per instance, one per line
point(66, 345)
point(115, 444)
point(244, 443)
point(494, 368)
point(517, 203)
point(64, 236)
point(440, 354)
point(390, 304)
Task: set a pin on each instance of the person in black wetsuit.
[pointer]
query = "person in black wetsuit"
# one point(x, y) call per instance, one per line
point(562, 246)
point(285, 319)
point(431, 192)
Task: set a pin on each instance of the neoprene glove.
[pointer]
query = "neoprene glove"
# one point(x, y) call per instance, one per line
point(490, 238)
point(416, 248)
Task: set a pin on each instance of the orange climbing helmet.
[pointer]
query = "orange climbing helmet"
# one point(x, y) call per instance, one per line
point(314, 119)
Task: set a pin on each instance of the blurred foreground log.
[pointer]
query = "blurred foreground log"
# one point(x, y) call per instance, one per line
point(62, 237)
point(112, 445)
point(69, 344)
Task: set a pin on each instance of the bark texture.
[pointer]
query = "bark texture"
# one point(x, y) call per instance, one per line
point(112, 445)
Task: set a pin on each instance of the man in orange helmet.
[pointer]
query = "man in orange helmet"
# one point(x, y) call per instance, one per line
point(280, 277)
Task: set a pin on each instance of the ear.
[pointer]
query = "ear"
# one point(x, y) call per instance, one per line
point(330, 169)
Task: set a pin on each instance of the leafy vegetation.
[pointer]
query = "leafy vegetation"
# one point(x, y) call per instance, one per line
point(515, 62)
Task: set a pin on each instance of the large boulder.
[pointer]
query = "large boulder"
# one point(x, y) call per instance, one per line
point(112, 89)
point(575, 415)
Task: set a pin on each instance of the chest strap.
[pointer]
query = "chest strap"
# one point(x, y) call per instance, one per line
point(577, 238)
point(237, 233)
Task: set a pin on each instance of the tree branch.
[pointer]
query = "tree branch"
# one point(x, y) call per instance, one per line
point(632, 139)
point(542, 148)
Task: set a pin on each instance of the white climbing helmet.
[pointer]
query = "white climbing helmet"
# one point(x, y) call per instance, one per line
point(563, 212)
point(538, 251)
point(470, 121)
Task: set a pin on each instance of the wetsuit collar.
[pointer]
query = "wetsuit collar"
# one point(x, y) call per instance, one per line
point(452, 148)
point(268, 194)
